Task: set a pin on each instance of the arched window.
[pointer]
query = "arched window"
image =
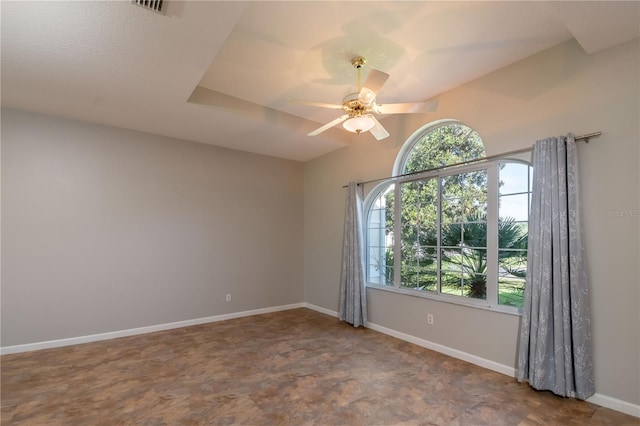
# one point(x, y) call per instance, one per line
point(450, 230)
point(439, 144)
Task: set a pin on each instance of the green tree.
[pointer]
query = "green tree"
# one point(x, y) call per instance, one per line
point(444, 145)
point(463, 195)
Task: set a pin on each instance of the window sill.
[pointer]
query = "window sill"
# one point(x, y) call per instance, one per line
point(470, 303)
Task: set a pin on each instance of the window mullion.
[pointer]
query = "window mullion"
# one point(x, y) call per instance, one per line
point(397, 237)
point(492, 234)
point(438, 229)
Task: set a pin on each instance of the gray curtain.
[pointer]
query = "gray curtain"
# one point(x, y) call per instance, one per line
point(555, 350)
point(353, 298)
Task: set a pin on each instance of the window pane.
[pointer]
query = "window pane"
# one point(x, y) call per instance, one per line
point(514, 178)
point(390, 210)
point(376, 236)
point(379, 234)
point(429, 190)
point(512, 271)
point(419, 200)
point(474, 277)
point(464, 196)
point(514, 207)
point(374, 276)
point(451, 210)
point(409, 234)
point(452, 186)
point(428, 261)
point(451, 235)
point(515, 201)
point(464, 209)
point(419, 209)
point(475, 286)
point(448, 144)
point(451, 260)
point(427, 234)
point(409, 254)
point(376, 218)
point(466, 191)
point(427, 281)
point(475, 208)
point(512, 263)
point(512, 235)
point(419, 237)
point(409, 276)
point(475, 261)
point(474, 180)
point(451, 283)
point(475, 234)
point(511, 292)
point(380, 265)
point(474, 189)
point(388, 272)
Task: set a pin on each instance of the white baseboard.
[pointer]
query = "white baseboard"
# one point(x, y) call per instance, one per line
point(141, 330)
point(473, 359)
point(321, 309)
point(598, 399)
point(455, 353)
point(615, 404)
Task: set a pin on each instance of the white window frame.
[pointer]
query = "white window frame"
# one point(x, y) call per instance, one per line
point(491, 301)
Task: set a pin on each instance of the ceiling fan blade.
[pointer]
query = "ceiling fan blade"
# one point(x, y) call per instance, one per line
point(375, 80)
point(378, 131)
point(408, 108)
point(328, 125)
point(315, 104)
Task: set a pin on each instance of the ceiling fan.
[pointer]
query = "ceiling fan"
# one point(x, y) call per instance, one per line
point(360, 107)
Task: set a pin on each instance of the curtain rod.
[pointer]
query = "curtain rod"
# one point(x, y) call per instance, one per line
point(584, 138)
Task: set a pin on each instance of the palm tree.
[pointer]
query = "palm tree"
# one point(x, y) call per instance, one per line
point(470, 255)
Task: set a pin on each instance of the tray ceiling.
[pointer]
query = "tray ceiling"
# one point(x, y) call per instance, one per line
point(222, 72)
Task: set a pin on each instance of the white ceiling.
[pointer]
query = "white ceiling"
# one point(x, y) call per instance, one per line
point(222, 73)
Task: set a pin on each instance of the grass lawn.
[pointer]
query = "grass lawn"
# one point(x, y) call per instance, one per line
point(510, 289)
point(511, 292)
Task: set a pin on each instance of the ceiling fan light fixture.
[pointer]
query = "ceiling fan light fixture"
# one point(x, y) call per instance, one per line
point(367, 96)
point(359, 124)
point(359, 108)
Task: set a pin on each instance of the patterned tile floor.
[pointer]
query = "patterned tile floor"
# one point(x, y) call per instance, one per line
point(296, 367)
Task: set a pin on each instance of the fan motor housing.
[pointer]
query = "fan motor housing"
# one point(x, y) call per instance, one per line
point(352, 105)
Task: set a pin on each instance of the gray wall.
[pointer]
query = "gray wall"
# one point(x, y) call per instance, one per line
point(105, 229)
point(552, 93)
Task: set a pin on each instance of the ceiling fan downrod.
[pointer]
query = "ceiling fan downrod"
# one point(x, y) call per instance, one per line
point(358, 62)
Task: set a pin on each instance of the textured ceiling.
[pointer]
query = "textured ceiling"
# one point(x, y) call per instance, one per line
point(223, 73)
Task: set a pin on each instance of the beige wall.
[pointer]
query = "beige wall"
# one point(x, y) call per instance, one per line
point(557, 91)
point(105, 229)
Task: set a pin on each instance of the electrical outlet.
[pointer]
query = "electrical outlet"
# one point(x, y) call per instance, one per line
point(228, 297)
point(430, 319)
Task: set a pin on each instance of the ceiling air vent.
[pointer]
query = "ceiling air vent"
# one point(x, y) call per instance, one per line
point(155, 5)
